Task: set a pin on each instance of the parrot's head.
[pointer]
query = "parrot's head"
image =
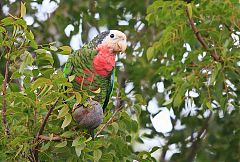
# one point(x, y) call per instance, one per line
point(114, 39)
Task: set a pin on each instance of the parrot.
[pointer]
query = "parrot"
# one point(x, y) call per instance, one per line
point(93, 66)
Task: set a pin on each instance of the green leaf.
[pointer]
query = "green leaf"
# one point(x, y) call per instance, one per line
point(62, 144)
point(71, 78)
point(97, 91)
point(21, 22)
point(150, 18)
point(31, 34)
point(40, 51)
point(66, 50)
point(179, 94)
point(144, 154)
point(7, 21)
point(208, 104)
point(155, 148)
point(46, 72)
point(218, 90)
point(33, 44)
point(14, 87)
point(78, 141)
point(87, 140)
point(23, 9)
point(50, 98)
point(19, 150)
point(16, 75)
point(67, 121)
point(107, 157)
point(60, 81)
point(28, 60)
point(68, 134)
point(1, 78)
point(97, 155)
point(35, 72)
point(150, 53)
point(215, 73)
point(30, 37)
point(168, 102)
point(53, 48)
point(45, 147)
point(115, 127)
point(2, 29)
point(39, 82)
point(79, 148)
point(70, 98)
point(78, 97)
point(45, 90)
point(44, 59)
point(63, 112)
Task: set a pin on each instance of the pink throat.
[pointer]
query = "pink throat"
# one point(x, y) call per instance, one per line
point(103, 64)
point(104, 61)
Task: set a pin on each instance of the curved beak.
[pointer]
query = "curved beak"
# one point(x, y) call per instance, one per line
point(122, 45)
point(119, 42)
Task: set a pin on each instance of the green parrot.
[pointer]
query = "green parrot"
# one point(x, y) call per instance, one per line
point(93, 67)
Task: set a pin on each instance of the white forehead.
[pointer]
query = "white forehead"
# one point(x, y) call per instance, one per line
point(117, 36)
point(117, 33)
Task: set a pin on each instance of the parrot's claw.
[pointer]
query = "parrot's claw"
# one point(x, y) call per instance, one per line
point(75, 106)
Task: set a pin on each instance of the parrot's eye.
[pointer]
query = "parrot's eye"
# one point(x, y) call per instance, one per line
point(111, 35)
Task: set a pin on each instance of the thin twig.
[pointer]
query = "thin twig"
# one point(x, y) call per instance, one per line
point(118, 108)
point(201, 40)
point(108, 122)
point(228, 27)
point(27, 156)
point(1, 11)
point(46, 118)
point(163, 154)
point(47, 138)
point(4, 102)
point(35, 151)
point(32, 155)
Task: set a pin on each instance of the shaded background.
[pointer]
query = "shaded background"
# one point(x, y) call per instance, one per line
point(153, 78)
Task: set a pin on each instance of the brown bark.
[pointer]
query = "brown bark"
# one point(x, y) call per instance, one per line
point(4, 102)
point(201, 40)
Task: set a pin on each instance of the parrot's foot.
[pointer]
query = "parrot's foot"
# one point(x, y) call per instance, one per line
point(75, 106)
point(91, 132)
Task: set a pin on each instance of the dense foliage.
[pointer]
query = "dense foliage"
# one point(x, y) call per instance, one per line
point(191, 47)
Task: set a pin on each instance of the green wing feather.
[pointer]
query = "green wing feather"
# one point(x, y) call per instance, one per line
point(67, 68)
point(82, 59)
point(109, 90)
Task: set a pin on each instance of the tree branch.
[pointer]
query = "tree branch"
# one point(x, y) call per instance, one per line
point(46, 118)
point(4, 102)
point(228, 27)
point(201, 40)
point(163, 154)
point(118, 108)
point(47, 138)
point(35, 151)
point(108, 122)
point(1, 10)
point(195, 144)
point(27, 156)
